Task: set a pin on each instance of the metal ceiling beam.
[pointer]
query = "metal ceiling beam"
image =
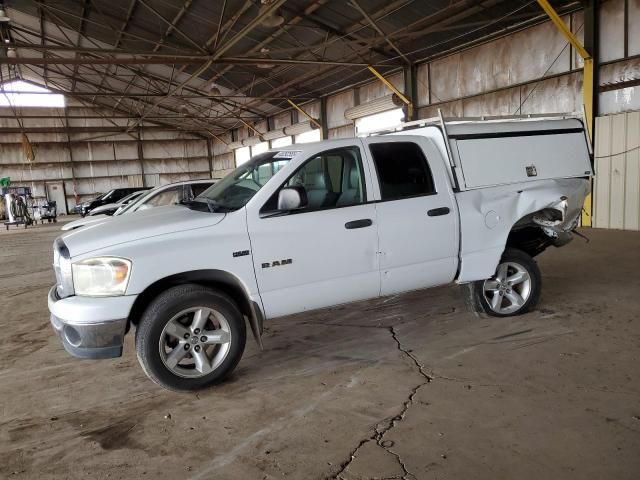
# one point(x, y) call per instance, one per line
point(182, 96)
point(355, 27)
point(148, 74)
point(86, 7)
point(123, 28)
point(42, 40)
point(105, 24)
point(269, 10)
point(152, 104)
point(379, 30)
point(97, 106)
point(180, 61)
point(332, 29)
point(462, 9)
point(279, 32)
point(172, 25)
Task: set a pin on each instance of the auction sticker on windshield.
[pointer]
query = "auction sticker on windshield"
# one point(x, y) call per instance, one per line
point(287, 154)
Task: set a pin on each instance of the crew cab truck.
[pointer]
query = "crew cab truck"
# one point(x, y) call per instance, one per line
point(321, 224)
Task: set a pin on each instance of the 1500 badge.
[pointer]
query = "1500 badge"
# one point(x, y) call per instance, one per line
point(277, 263)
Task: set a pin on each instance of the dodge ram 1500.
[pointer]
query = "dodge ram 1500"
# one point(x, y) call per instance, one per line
point(321, 224)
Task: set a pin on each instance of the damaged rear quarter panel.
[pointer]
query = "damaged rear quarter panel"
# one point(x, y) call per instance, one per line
point(487, 216)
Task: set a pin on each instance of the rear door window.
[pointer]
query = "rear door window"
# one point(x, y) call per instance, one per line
point(403, 170)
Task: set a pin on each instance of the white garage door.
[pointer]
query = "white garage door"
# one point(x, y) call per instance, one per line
point(617, 183)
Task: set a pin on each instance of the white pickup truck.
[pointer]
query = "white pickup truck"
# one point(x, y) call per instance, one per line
point(322, 224)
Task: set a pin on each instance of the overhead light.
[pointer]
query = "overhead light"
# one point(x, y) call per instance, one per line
point(264, 52)
point(11, 52)
point(3, 16)
point(183, 109)
point(270, 21)
point(214, 91)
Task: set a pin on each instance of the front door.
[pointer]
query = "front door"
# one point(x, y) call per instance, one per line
point(55, 193)
point(325, 253)
point(417, 220)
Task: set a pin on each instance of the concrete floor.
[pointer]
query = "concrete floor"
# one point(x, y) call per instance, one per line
point(410, 386)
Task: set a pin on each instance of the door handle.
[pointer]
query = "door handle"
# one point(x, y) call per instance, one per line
point(365, 222)
point(436, 212)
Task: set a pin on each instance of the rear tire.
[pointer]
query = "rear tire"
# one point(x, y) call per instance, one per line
point(190, 337)
point(513, 290)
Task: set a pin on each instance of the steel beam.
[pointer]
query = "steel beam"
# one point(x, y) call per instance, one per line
point(411, 89)
point(390, 85)
point(379, 30)
point(181, 60)
point(141, 155)
point(210, 156)
point(172, 24)
point(323, 118)
point(303, 112)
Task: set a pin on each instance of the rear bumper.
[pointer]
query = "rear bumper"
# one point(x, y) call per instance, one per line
point(90, 327)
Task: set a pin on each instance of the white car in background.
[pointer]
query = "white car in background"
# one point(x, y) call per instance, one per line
point(170, 194)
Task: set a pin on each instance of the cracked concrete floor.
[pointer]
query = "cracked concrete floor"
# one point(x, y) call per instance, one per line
point(409, 386)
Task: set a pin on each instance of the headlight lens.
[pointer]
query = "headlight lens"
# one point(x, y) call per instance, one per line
point(101, 276)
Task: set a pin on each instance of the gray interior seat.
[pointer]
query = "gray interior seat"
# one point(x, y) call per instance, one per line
point(351, 191)
point(316, 187)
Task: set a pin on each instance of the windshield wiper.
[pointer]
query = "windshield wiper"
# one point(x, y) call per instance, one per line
point(212, 205)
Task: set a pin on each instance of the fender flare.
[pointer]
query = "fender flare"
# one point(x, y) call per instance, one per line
point(220, 279)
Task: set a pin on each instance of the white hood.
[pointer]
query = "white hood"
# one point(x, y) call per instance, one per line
point(136, 226)
point(83, 222)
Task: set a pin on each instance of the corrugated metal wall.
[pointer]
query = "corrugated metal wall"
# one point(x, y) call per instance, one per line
point(617, 182)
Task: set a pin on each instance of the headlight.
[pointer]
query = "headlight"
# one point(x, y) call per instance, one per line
point(101, 276)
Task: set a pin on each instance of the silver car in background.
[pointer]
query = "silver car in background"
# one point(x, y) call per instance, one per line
point(111, 208)
point(170, 194)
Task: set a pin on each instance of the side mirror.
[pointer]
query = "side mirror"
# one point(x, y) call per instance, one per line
point(292, 198)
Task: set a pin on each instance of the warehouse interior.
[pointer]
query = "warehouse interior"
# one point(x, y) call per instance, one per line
point(110, 94)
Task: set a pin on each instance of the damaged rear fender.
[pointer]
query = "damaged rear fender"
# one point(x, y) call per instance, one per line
point(488, 216)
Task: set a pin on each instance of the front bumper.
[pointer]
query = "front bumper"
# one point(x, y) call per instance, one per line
point(90, 327)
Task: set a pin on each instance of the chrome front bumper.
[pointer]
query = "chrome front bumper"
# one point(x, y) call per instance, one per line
point(90, 327)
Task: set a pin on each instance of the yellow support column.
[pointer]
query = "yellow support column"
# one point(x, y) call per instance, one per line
point(587, 86)
point(587, 93)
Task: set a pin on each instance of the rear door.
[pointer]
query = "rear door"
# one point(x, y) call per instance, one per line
point(417, 218)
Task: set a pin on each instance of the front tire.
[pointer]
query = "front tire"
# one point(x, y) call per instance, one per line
point(190, 337)
point(513, 290)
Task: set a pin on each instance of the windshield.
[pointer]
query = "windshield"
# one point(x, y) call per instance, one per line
point(133, 205)
point(106, 196)
point(236, 189)
point(130, 197)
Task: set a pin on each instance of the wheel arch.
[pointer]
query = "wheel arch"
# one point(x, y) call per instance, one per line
point(215, 279)
point(522, 234)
